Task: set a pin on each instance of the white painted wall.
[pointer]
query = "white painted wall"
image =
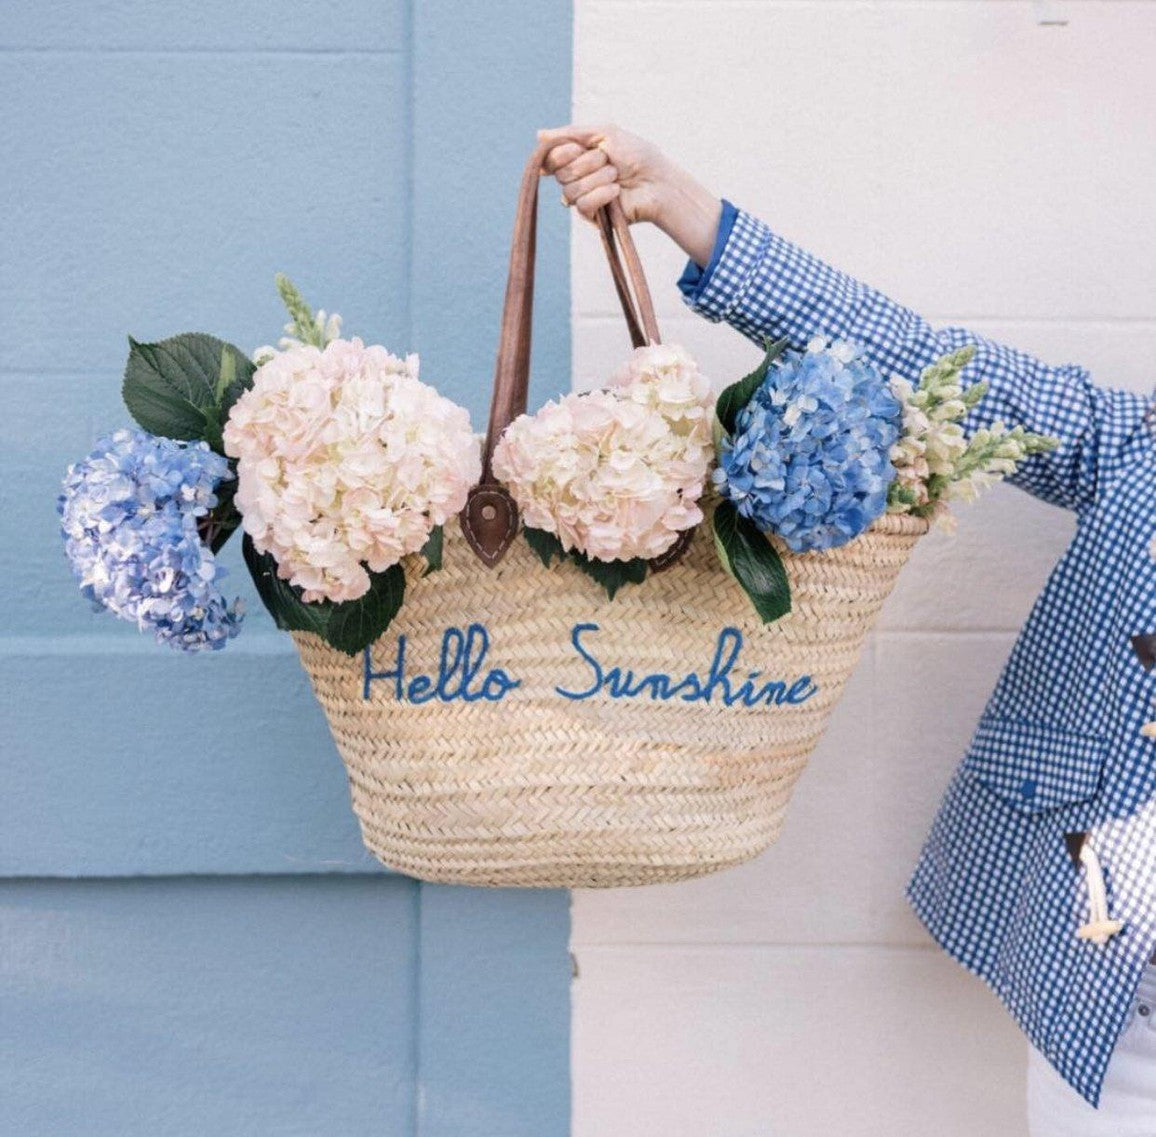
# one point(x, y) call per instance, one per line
point(986, 170)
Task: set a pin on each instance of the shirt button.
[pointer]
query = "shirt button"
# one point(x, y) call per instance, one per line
point(1143, 1010)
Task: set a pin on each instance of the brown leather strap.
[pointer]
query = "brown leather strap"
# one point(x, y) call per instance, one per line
point(490, 517)
point(615, 231)
point(512, 371)
point(621, 287)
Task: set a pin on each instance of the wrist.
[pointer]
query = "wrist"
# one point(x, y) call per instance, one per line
point(688, 213)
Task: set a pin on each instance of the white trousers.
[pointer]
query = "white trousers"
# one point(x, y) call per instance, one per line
point(1128, 1101)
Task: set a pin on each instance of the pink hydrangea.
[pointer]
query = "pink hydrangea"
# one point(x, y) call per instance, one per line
point(616, 473)
point(346, 462)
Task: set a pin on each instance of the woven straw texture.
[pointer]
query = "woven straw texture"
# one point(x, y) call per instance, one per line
point(540, 790)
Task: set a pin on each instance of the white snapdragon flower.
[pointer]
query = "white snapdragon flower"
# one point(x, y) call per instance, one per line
point(935, 461)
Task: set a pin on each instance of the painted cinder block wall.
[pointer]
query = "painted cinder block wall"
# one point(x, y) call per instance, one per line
point(988, 171)
point(192, 940)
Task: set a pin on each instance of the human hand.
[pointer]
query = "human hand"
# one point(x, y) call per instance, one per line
point(594, 165)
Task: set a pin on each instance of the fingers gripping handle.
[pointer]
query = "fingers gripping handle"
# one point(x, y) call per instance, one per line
point(490, 517)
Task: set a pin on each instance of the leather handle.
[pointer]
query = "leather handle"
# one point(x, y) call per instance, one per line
point(512, 370)
point(639, 308)
point(621, 285)
point(490, 517)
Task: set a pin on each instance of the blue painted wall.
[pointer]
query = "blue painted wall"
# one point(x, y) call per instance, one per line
point(192, 939)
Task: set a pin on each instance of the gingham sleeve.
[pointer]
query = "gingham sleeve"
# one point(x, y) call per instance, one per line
point(762, 285)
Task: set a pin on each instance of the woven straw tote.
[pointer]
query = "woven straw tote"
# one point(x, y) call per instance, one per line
point(469, 780)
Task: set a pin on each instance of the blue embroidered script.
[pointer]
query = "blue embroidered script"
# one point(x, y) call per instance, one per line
point(464, 675)
point(459, 675)
point(693, 687)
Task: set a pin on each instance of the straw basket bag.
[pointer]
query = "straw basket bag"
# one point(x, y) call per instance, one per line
point(488, 738)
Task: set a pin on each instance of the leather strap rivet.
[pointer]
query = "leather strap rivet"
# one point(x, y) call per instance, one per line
point(489, 512)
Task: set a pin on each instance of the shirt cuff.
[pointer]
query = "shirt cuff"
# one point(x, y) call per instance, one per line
point(694, 279)
point(742, 246)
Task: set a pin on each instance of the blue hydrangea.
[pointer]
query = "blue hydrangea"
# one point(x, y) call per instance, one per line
point(129, 516)
point(809, 458)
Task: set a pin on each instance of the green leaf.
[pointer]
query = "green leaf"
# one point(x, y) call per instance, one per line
point(183, 387)
point(226, 375)
point(432, 550)
point(350, 626)
point(719, 548)
point(546, 545)
point(357, 623)
point(220, 525)
point(737, 395)
point(753, 561)
point(290, 613)
point(612, 575)
point(242, 369)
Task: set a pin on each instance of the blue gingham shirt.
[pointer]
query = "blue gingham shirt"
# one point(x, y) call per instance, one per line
point(1059, 748)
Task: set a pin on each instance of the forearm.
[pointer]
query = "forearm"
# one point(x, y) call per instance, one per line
point(762, 285)
point(688, 213)
point(765, 287)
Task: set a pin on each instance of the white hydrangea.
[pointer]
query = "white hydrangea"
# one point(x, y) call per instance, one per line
point(346, 462)
point(616, 473)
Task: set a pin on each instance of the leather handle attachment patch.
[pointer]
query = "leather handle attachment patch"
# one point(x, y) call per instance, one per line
point(489, 522)
point(674, 554)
